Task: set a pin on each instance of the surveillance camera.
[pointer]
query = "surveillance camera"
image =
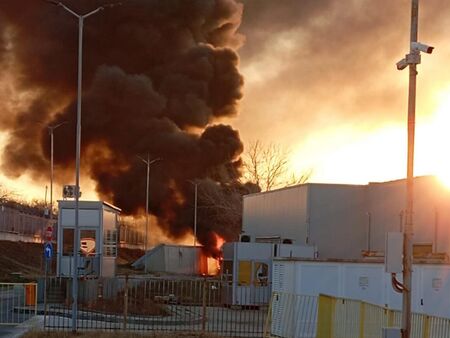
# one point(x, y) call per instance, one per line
point(402, 64)
point(417, 46)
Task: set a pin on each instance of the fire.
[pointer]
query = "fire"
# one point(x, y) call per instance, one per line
point(214, 262)
point(219, 241)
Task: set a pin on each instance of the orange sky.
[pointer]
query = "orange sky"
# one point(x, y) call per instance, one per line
point(326, 86)
point(320, 80)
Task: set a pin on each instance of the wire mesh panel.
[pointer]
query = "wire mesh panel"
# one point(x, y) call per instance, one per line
point(155, 304)
point(18, 302)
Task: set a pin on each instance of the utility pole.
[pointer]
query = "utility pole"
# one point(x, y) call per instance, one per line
point(148, 162)
point(195, 184)
point(412, 60)
point(408, 232)
point(50, 130)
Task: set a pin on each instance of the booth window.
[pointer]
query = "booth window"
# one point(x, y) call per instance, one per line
point(110, 243)
point(87, 242)
point(261, 277)
point(245, 273)
point(227, 270)
point(68, 242)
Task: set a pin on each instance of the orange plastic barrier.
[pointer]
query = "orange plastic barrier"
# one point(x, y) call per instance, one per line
point(30, 294)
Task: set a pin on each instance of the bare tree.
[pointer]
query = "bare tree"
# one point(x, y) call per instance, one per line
point(265, 165)
point(220, 204)
point(299, 179)
point(268, 166)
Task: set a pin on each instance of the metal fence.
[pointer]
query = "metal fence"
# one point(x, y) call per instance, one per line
point(299, 316)
point(18, 302)
point(340, 317)
point(293, 315)
point(15, 222)
point(131, 234)
point(155, 304)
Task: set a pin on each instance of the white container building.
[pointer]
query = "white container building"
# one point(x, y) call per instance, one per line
point(342, 220)
point(366, 281)
point(174, 259)
point(247, 269)
point(98, 224)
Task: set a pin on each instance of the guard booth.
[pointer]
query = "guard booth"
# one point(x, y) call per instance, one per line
point(98, 228)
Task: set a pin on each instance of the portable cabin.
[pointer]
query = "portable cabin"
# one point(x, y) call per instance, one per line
point(98, 229)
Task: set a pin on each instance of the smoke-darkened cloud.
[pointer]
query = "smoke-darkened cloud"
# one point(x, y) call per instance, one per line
point(320, 63)
point(158, 77)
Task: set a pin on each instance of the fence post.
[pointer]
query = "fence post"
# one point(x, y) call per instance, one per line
point(125, 303)
point(268, 322)
point(391, 315)
point(204, 306)
point(426, 326)
point(362, 319)
point(325, 317)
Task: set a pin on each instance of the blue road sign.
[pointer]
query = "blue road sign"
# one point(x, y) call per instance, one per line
point(48, 250)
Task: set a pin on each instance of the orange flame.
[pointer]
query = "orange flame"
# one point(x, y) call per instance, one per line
point(214, 263)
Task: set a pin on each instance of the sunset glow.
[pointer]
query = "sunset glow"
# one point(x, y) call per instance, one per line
point(354, 156)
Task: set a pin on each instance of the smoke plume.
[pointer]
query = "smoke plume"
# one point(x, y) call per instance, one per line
point(322, 64)
point(159, 77)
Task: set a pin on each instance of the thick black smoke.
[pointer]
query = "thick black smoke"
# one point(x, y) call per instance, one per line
point(157, 76)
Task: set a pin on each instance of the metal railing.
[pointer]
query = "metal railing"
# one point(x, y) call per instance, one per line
point(19, 223)
point(292, 316)
point(156, 304)
point(18, 302)
point(295, 316)
point(340, 317)
point(131, 234)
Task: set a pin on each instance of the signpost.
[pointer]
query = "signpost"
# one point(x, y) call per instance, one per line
point(49, 233)
point(48, 254)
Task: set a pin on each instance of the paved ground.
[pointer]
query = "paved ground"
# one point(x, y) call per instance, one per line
point(37, 322)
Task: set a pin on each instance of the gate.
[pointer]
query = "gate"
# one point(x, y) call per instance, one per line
point(18, 302)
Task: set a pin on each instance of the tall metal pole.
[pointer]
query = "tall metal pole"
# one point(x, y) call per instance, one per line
point(146, 201)
point(51, 174)
point(195, 214)
point(408, 231)
point(147, 193)
point(51, 129)
point(76, 241)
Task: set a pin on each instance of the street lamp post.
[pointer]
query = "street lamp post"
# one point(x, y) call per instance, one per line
point(195, 184)
point(148, 162)
point(76, 242)
point(50, 130)
point(412, 60)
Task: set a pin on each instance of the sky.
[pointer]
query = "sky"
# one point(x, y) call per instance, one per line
point(320, 80)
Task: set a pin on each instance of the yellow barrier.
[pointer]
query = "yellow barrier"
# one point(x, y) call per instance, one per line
point(300, 316)
point(345, 318)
